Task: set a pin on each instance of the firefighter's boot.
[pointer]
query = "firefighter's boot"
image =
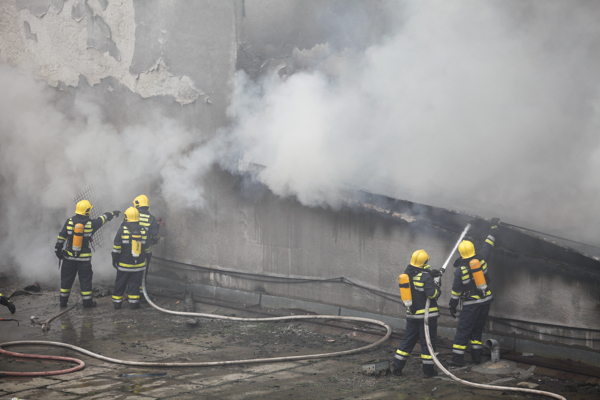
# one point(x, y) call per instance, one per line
point(89, 303)
point(456, 360)
point(134, 306)
point(117, 306)
point(398, 367)
point(429, 371)
point(64, 301)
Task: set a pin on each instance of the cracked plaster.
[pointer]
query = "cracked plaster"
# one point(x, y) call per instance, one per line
point(94, 39)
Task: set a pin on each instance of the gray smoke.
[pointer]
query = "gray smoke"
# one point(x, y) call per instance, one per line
point(48, 156)
point(486, 107)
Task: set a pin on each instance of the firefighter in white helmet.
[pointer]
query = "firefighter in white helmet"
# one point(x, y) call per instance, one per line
point(476, 296)
point(76, 256)
point(149, 222)
point(422, 286)
point(131, 251)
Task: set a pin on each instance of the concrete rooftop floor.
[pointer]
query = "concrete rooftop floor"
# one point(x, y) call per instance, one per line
point(150, 335)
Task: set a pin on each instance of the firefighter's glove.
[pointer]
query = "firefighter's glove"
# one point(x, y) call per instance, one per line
point(494, 223)
point(59, 252)
point(116, 213)
point(115, 261)
point(434, 272)
point(453, 304)
point(6, 302)
point(437, 294)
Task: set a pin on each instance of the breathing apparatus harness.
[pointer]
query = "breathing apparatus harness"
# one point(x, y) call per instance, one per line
point(476, 275)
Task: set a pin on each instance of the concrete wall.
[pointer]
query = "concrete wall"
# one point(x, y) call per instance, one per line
point(542, 291)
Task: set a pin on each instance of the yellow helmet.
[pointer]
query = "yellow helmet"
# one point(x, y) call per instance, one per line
point(419, 259)
point(83, 207)
point(141, 201)
point(132, 215)
point(466, 249)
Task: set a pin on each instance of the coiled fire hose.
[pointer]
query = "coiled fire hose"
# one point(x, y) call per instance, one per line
point(202, 364)
point(445, 371)
point(45, 327)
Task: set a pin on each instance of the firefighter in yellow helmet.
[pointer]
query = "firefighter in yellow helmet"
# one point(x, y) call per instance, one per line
point(422, 286)
point(476, 300)
point(131, 251)
point(73, 249)
point(149, 222)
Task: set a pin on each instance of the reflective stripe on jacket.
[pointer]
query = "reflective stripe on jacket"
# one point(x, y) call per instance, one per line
point(464, 286)
point(422, 287)
point(122, 248)
point(65, 236)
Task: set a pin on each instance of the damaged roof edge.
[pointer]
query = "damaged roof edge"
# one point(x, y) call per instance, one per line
point(511, 239)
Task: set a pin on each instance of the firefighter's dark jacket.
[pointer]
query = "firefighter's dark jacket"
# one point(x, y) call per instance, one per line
point(90, 227)
point(148, 221)
point(121, 252)
point(464, 286)
point(422, 287)
point(5, 301)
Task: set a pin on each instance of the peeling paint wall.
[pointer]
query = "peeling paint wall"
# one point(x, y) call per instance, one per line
point(140, 44)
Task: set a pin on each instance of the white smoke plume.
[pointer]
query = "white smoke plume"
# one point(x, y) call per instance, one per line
point(486, 107)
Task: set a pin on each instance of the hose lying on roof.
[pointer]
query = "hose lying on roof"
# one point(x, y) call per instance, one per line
point(477, 385)
point(80, 364)
point(214, 363)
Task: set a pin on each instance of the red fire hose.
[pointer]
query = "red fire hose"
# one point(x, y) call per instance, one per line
point(80, 363)
point(40, 357)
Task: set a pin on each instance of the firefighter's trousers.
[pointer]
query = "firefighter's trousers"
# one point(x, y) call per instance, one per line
point(415, 330)
point(68, 272)
point(129, 281)
point(470, 330)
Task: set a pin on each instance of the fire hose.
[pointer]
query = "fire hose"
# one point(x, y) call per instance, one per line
point(45, 327)
point(445, 371)
point(207, 363)
point(260, 360)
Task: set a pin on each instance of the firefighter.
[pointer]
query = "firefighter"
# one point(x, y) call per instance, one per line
point(5, 301)
point(76, 257)
point(422, 286)
point(131, 252)
point(149, 222)
point(470, 285)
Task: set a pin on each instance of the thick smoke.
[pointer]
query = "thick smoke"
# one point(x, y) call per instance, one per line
point(48, 157)
point(486, 107)
point(490, 108)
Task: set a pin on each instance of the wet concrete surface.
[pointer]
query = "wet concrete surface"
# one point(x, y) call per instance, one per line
point(150, 335)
